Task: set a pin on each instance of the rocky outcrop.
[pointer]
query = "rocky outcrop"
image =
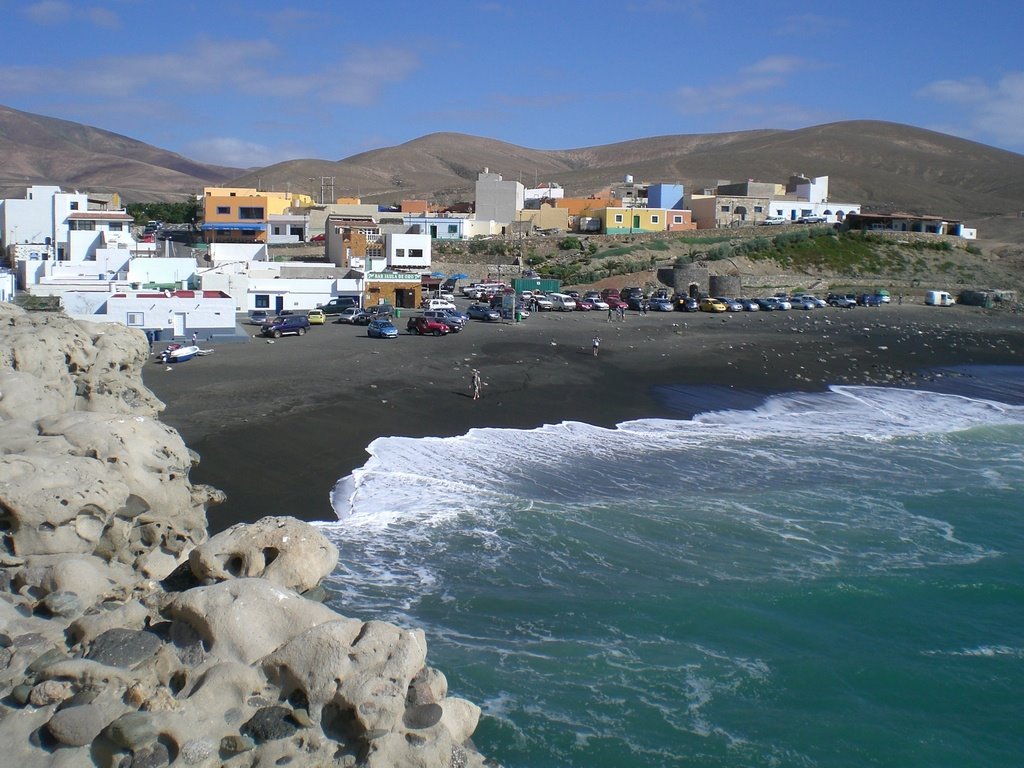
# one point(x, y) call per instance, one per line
point(128, 638)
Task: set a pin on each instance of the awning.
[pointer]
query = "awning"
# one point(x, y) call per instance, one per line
point(233, 225)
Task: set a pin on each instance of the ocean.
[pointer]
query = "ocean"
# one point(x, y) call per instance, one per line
point(808, 579)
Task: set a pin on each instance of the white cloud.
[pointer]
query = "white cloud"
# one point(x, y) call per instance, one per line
point(733, 95)
point(361, 77)
point(237, 153)
point(51, 12)
point(988, 112)
point(777, 65)
point(48, 12)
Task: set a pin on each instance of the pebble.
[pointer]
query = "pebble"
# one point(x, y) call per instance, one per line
point(132, 730)
point(269, 724)
point(123, 647)
point(76, 726)
point(63, 603)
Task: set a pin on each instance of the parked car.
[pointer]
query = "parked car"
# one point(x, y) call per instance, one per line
point(767, 304)
point(258, 317)
point(730, 304)
point(608, 293)
point(483, 312)
point(685, 303)
point(542, 302)
point(661, 304)
point(353, 316)
point(773, 221)
point(316, 317)
point(583, 305)
point(811, 298)
point(811, 220)
point(749, 305)
point(455, 324)
point(437, 304)
point(631, 293)
point(287, 325)
point(426, 326)
point(596, 300)
point(802, 302)
point(869, 300)
point(562, 302)
point(381, 328)
point(638, 303)
point(338, 304)
point(710, 304)
point(318, 238)
point(841, 300)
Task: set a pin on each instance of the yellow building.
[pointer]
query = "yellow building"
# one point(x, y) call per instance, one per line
point(240, 215)
point(626, 221)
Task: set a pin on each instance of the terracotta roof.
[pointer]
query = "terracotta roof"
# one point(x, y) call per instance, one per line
point(101, 215)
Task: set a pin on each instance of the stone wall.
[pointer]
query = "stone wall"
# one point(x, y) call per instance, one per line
point(128, 638)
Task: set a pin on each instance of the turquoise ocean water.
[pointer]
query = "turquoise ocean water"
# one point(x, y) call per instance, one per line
point(829, 579)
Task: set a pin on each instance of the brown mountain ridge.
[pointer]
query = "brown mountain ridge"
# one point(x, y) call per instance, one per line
point(884, 166)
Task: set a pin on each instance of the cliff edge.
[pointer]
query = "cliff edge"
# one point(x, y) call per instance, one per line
point(130, 638)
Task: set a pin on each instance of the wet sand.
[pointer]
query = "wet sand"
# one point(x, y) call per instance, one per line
point(277, 424)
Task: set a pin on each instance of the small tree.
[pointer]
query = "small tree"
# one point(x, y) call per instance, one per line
point(570, 243)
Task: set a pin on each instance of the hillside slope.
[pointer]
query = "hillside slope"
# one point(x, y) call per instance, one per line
point(44, 150)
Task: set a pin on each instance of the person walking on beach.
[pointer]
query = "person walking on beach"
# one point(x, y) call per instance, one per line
point(476, 384)
point(610, 310)
point(596, 344)
point(195, 337)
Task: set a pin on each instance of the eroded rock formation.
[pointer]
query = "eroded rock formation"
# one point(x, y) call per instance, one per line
point(127, 638)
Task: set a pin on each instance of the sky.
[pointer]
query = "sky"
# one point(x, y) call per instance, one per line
point(248, 84)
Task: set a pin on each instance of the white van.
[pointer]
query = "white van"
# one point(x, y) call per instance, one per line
point(437, 304)
point(562, 302)
point(939, 299)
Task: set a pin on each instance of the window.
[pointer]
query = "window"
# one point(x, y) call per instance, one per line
point(223, 210)
point(74, 206)
point(82, 226)
point(277, 230)
point(115, 226)
point(135, 319)
point(250, 213)
point(654, 218)
point(453, 229)
point(415, 253)
point(618, 218)
point(758, 209)
point(262, 301)
point(677, 219)
point(400, 253)
point(725, 209)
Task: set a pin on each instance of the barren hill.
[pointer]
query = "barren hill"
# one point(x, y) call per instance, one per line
point(884, 166)
point(44, 150)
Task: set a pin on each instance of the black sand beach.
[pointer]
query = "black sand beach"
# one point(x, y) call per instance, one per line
point(277, 424)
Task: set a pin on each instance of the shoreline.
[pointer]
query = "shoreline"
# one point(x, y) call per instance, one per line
point(277, 425)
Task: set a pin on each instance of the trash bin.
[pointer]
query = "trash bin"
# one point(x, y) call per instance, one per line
point(398, 312)
point(519, 317)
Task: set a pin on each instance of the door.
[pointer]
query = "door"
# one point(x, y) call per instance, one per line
point(433, 231)
point(278, 304)
point(636, 222)
point(179, 324)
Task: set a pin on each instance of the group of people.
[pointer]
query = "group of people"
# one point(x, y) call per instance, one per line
point(616, 313)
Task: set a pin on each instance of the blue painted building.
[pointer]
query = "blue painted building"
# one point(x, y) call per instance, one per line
point(668, 196)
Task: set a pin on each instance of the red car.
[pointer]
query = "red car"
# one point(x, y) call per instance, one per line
point(584, 305)
point(318, 238)
point(614, 302)
point(424, 326)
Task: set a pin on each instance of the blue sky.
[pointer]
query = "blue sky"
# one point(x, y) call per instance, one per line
point(253, 83)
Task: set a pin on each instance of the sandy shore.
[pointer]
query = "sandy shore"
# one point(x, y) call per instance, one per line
point(277, 424)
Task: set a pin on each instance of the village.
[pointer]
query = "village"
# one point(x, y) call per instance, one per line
point(257, 253)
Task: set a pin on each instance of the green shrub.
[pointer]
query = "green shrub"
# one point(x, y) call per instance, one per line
point(569, 244)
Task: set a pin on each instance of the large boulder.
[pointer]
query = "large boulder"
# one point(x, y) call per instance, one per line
point(246, 619)
point(282, 550)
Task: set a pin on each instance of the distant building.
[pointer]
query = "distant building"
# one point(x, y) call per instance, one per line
point(497, 200)
point(908, 222)
point(242, 215)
